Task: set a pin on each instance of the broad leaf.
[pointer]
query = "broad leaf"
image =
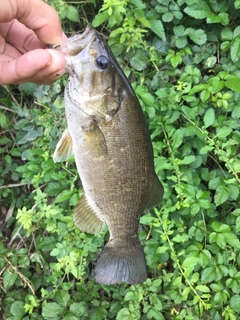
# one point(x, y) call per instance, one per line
point(221, 195)
point(209, 117)
point(158, 29)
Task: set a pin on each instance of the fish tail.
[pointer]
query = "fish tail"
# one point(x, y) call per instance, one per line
point(121, 264)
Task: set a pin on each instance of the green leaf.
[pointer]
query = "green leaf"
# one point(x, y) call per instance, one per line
point(190, 262)
point(78, 308)
point(197, 88)
point(153, 313)
point(232, 240)
point(28, 87)
point(233, 82)
point(235, 303)
point(198, 36)
point(52, 310)
point(223, 132)
point(63, 196)
point(29, 136)
point(222, 18)
point(227, 34)
point(167, 17)
point(181, 42)
point(129, 296)
point(145, 22)
point(202, 288)
point(208, 274)
point(4, 121)
point(209, 117)
point(235, 49)
point(4, 140)
point(211, 62)
point(139, 4)
point(158, 29)
point(198, 10)
point(62, 298)
point(17, 310)
point(214, 183)
point(205, 95)
point(47, 244)
point(145, 96)
point(70, 316)
point(72, 13)
point(53, 188)
point(180, 238)
point(225, 46)
point(100, 18)
point(218, 238)
point(216, 84)
point(221, 195)
point(179, 31)
point(185, 293)
point(189, 112)
point(238, 224)
point(124, 313)
point(54, 252)
point(236, 32)
point(176, 60)
point(9, 278)
point(139, 61)
point(237, 4)
point(234, 191)
point(188, 159)
point(146, 219)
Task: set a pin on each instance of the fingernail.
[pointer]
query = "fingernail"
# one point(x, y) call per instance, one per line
point(51, 59)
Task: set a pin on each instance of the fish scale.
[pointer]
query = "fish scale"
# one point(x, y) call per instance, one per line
point(108, 136)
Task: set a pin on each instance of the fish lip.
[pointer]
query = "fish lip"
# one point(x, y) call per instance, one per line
point(75, 44)
point(79, 42)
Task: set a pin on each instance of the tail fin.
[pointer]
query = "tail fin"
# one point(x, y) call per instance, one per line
point(121, 264)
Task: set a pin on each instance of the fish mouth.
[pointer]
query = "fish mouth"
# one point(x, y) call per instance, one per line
point(78, 43)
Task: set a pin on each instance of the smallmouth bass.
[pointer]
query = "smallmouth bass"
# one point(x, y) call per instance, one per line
point(109, 138)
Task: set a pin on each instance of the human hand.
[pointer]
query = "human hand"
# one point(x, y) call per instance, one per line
point(26, 27)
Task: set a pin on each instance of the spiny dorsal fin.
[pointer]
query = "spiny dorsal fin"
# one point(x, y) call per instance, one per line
point(63, 149)
point(86, 219)
point(156, 194)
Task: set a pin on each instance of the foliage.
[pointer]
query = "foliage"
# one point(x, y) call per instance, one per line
point(182, 58)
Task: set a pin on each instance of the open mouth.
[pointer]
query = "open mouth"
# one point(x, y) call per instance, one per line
point(79, 42)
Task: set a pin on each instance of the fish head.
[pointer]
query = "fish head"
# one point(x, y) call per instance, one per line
point(94, 80)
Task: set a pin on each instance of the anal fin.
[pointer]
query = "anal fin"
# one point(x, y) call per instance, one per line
point(86, 219)
point(156, 194)
point(63, 149)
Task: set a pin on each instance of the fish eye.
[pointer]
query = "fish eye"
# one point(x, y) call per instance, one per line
point(102, 62)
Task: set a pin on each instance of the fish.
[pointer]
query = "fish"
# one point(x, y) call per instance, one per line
point(108, 136)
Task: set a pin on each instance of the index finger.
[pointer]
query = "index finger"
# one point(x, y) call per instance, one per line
point(36, 15)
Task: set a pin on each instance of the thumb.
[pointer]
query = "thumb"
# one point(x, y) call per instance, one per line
point(28, 67)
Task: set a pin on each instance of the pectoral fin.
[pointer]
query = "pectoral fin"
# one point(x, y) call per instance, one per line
point(86, 219)
point(156, 194)
point(63, 149)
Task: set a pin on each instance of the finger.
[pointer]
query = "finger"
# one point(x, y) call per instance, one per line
point(20, 37)
point(51, 72)
point(39, 66)
point(10, 52)
point(36, 15)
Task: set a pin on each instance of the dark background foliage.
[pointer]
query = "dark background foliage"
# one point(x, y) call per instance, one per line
point(182, 58)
